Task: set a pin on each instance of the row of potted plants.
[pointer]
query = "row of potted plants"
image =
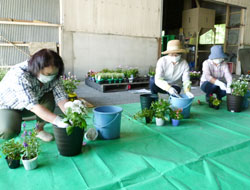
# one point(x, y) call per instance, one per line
point(114, 76)
point(26, 149)
point(162, 111)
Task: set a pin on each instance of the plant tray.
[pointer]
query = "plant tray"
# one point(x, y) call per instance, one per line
point(114, 87)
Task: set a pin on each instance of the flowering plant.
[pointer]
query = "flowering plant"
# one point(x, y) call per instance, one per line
point(161, 108)
point(176, 114)
point(239, 87)
point(91, 73)
point(194, 74)
point(30, 143)
point(75, 115)
point(70, 83)
point(11, 149)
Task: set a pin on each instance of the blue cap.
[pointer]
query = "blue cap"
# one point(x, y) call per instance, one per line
point(217, 53)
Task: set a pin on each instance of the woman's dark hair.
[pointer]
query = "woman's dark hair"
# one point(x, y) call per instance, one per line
point(45, 58)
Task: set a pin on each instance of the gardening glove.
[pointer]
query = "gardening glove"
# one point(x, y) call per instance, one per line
point(59, 122)
point(222, 85)
point(173, 92)
point(189, 94)
point(229, 90)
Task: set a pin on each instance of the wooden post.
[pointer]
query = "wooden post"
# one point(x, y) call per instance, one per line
point(196, 48)
point(227, 25)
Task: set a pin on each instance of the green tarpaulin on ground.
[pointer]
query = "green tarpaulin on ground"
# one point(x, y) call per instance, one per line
point(209, 151)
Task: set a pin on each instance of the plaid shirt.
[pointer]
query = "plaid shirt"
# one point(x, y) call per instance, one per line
point(19, 89)
point(210, 70)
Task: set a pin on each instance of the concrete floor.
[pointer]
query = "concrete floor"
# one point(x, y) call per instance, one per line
point(98, 98)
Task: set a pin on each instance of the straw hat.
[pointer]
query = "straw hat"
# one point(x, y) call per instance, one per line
point(174, 46)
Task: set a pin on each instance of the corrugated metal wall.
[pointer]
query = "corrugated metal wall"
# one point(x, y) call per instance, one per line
point(27, 10)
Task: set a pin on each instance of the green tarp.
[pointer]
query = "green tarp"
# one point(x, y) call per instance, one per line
point(209, 151)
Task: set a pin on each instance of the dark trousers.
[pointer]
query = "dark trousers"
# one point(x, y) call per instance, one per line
point(155, 89)
point(11, 119)
point(210, 88)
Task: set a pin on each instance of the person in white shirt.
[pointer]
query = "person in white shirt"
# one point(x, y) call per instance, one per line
point(215, 74)
point(171, 71)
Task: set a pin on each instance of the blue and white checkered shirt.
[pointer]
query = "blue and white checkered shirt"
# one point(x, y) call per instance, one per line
point(19, 89)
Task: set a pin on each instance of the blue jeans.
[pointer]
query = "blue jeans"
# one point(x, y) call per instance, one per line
point(155, 89)
point(210, 88)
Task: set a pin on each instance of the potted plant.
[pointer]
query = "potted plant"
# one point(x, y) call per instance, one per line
point(12, 151)
point(195, 77)
point(235, 99)
point(147, 113)
point(176, 116)
point(70, 84)
point(210, 101)
point(30, 149)
point(151, 72)
point(216, 103)
point(69, 140)
point(160, 108)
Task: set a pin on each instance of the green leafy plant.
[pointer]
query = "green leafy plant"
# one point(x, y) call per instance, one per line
point(216, 102)
point(70, 83)
point(151, 71)
point(30, 143)
point(3, 72)
point(176, 114)
point(161, 108)
point(12, 149)
point(148, 113)
point(75, 115)
point(239, 87)
point(194, 74)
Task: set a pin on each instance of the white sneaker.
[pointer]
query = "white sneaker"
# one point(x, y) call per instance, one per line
point(44, 136)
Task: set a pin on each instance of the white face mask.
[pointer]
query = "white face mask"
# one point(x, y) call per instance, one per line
point(45, 79)
point(218, 61)
point(175, 59)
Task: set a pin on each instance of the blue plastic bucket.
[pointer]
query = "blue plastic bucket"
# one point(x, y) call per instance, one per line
point(245, 102)
point(107, 121)
point(183, 103)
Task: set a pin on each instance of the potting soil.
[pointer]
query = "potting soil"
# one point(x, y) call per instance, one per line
point(208, 151)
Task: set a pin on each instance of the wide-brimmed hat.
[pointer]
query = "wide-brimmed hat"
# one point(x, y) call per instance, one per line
point(174, 46)
point(217, 53)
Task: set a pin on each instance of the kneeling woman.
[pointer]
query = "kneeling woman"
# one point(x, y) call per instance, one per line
point(215, 70)
point(32, 87)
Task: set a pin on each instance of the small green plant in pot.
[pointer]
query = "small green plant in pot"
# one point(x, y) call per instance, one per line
point(70, 84)
point(148, 114)
point(235, 99)
point(176, 115)
point(12, 150)
point(30, 148)
point(160, 108)
point(69, 140)
point(216, 103)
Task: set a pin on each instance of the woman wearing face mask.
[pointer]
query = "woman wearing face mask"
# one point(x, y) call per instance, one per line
point(170, 70)
point(214, 71)
point(32, 87)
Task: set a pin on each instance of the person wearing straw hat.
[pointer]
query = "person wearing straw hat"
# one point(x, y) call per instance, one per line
point(215, 70)
point(170, 70)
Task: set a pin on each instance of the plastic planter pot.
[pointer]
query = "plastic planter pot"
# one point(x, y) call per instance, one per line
point(68, 145)
point(159, 121)
point(175, 122)
point(12, 163)
point(234, 103)
point(30, 164)
point(217, 107)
